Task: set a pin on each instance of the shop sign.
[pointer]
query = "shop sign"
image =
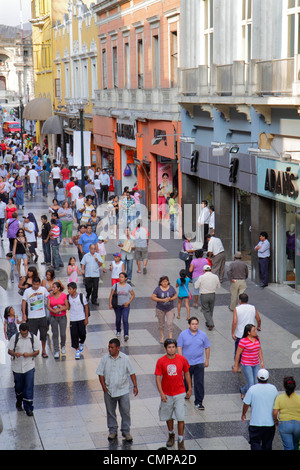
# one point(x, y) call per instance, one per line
point(278, 180)
point(126, 133)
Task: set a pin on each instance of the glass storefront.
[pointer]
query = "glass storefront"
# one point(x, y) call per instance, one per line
point(242, 218)
point(288, 226)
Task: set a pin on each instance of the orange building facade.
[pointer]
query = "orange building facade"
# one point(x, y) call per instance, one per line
point(136, 122)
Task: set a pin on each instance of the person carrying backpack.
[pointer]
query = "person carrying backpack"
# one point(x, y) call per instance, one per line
point(79, 314)
point(24, 347)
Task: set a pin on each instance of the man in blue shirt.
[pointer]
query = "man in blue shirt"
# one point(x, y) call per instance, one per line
point(261, 397)
point(193, 344)
point(87, 239)
point(263, 253)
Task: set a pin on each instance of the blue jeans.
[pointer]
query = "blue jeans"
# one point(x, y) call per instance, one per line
point(122, 313)
point(24, 384)
point(128, 263)
point(33, 189)
point(47, 251)
point(250, 373)
point(45, 189)
point(290, 434)
point(263, 264)
point(56, 259)
point(172, 220)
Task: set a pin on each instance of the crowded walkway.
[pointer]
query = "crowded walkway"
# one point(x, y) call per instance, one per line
point(69, 410)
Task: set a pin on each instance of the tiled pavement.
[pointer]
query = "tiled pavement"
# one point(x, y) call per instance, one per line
point(69, 408)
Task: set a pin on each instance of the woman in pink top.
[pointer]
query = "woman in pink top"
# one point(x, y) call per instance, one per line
point(57, 305)
point(196, 268)
point(252, 360)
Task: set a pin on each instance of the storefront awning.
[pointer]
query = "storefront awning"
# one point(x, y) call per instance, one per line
point(52, 125)
point(38, 109)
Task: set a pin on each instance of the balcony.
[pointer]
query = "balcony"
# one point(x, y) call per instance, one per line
point(268, 78)
point(146, 103)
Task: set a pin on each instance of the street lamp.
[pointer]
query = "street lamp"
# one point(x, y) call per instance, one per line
point(21, 119)
point(74, 107)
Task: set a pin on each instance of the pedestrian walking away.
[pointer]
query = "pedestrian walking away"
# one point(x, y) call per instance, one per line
point(286, 414)
point(244, 314)
point(193, 344)
point(114, 370)
point(216, 254)
point(169, 373)
point(207, 285)
point(261, 397)
point(237, 274)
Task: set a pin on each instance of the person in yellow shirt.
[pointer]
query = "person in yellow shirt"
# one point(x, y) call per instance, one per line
point(286, 414)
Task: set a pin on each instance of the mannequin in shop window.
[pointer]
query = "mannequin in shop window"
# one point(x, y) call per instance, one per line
point(164, 190)
point(290, 244)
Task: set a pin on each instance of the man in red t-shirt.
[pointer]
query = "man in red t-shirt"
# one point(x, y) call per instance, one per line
point(65, 174)
point(68, 187)
point(169, 380)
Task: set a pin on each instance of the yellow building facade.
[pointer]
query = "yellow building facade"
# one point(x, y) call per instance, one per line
point(44, 14)
point(75, 70)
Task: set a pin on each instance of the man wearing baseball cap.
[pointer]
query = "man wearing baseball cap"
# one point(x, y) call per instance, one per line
point(208, 284)
point(261, 397)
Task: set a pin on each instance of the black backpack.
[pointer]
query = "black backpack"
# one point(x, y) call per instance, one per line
point(81, 300)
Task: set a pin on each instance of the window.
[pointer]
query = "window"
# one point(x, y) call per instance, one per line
point(155, 61)
point(140, 63)
point(173, 58)
point(247, 29)
point(115, 67)
point(57, 82)
point(67, 80)
point(293, 28)
point(94, 76)
point(76, 80)
point(126, 65)
point(104, 69)
point(209, 31)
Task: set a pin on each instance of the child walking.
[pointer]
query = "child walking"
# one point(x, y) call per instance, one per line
point(102, 250)
point(116, 267)
point(184, 293)
point(73, 270)
point(10, 322)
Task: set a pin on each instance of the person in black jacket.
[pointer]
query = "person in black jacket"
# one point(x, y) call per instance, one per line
point(45, 229)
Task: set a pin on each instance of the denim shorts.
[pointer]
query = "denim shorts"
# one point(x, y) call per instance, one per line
point(21, 256)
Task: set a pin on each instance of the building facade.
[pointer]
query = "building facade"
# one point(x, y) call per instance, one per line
point(136, 113)
point(239, 93)
point(75, 51)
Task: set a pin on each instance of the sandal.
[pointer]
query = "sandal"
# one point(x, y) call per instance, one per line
point(44, 355)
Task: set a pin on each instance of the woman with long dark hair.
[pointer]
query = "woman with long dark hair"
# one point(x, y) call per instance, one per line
point(164, 296)
point(249, 349)
point(286, 413)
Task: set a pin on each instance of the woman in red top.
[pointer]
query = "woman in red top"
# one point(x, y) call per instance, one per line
point(252, 360)
point(57, 305)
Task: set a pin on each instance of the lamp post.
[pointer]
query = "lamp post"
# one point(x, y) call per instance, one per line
point(21, 119)
point(74, 107)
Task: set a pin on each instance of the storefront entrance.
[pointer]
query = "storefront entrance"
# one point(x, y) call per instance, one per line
point(243, 224)
point(288, 226)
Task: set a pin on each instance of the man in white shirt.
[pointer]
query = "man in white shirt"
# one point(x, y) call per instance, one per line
point(208, 283)
point(19, 155)
point(263, 253)
point(75, 191)
point(35, 298)
point(55, 175)
point(33, 180)
point(58, 154)
point(203, 222)
point(29, 229)
point(216, 254)
point(212, 220)
point(105, 183)
point(2, 217)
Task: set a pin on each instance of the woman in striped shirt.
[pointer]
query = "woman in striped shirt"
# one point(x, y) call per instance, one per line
point(252, 360)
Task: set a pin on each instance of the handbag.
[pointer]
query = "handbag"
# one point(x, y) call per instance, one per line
point(114, 299)
point(184, 255)
point(127, 170)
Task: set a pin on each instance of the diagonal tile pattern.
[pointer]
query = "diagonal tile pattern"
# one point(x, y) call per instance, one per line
point(69, 408)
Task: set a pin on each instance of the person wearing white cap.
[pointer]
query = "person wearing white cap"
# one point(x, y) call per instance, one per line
point(207, 284)
point(261, 397)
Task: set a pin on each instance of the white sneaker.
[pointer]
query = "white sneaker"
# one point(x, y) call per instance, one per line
point(77, 354)
point(56, 355)
point(81, 346)
point(118, 334)
point(63, 350)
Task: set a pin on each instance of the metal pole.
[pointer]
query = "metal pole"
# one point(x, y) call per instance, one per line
point(82, 152)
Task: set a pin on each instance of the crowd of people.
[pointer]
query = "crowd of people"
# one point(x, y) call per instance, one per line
point(47, 304)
